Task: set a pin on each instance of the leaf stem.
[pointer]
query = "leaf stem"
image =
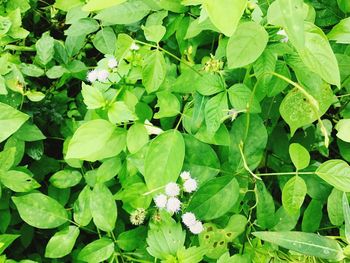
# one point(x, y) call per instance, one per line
point(245, 162)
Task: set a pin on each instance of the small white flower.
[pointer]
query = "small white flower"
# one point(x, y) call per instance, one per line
point(134, 46)
point(173, 205)
point(283, 33)
point(190, 185)
point(112, 63)
point(185, 175)
point(172, 189)
point(102, 75)
point(196, 228)
point(152, 129)
point(92, 76)
point(189, 219)
point(161, 200)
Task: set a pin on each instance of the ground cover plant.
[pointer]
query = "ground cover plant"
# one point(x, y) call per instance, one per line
point(174, 131)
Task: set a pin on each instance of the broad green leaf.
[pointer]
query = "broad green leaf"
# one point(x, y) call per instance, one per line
point(340, 32)
point(97, 251)
point(10, 120)
point(277, 85)
point(215, 110)
point(130, 240)
point(81, 209)
point(34, 95)
point(83, 26)
point(119, 113)
point(126, 13)
point(93, 97)
point(246, 44)
point(18, 181)
point(137, 137)
point(252, 132)
point(29, 132)
point(105, 40)
point(305, 243)
point(133, 195)
point(297, 111)
point(164, 159)
point(346, 211)
point(293, 194)
point(3, 90)
point(62, 243)
point(312, 216)
point(45, 48)
point(343, 128)
point(226, 14)
point(242, 98)
point(318, 55)
point(285, 221)
point(31, 70)
point(165, 240)
point(96, 140)
point(6, 240)
point(65, 179)
point(344, 5)
point(103, 208)
point(40, 211)
point(168, 105)
point(153, 71)
point(108, 170)
point(95, 5)
point(191, 254)
point(265, 209)
point(335, 214)
point(200, 159)
point(299, 155)
point(336, 173)
point(214, 198)
point(66, 5)
point(7, 158)
point(154, 33)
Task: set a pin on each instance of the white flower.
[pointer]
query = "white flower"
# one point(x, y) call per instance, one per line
point(161, 200)
point(112, 63)
point(173, 205)
point(152, 129)
point(185, 175)
point(134, 46)
point(92, 76)
point(189, 219)
point(138, 216)
point(172, 189)
point(283, 33)
point(196, 228)
point(102, 75)
point(190, 185)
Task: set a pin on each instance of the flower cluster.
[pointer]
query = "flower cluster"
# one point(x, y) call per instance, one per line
point(190, 184)
point(194, 225)
point(138, 216)
point(169, 200)
point(102, 74)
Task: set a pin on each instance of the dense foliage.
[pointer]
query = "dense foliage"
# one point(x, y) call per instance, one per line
point(174, 131)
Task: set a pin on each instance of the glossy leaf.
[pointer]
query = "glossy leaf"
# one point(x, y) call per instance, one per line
point(336, 173)
point(299, 155)
point(293, 194)
point(62, 243)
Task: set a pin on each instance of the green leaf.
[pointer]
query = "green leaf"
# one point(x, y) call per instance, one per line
point(153, 71)
point(105, 40)
point(226, 14)
point(297, 111)
point(103, 208)
point(34, 96)
point(215, 198)
point(62, 243)
point(95, 5)
point(246, 44)
point(293, 194)
point(93, 97)
point(336, 173)
point(66, 5)
point(31, 70)
point(340, 32)
point(10, 120)
point(126, 13)
point(168, 104)
point(215, 110)
point(18, 181)
point(130, 240)
point(154, 33)
point(83, 26)
point(97, 251)
point(82, 213)
point(108, 170)
point(318, 55)
point(137, 137)
point(304, 243)
point(312, 216)
point(7, 158)
point(29, 132)
point(96, 140)
point(119, 113)
point(242, 98)
point(343, 128)
point(6, 240)
point(299, 155)
point(164, 159)
point(346, 211)
point(265, 209)
point(65, 179)
point(335, 214)
point(45, 48)
point(344, 5)
point(40, 211)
